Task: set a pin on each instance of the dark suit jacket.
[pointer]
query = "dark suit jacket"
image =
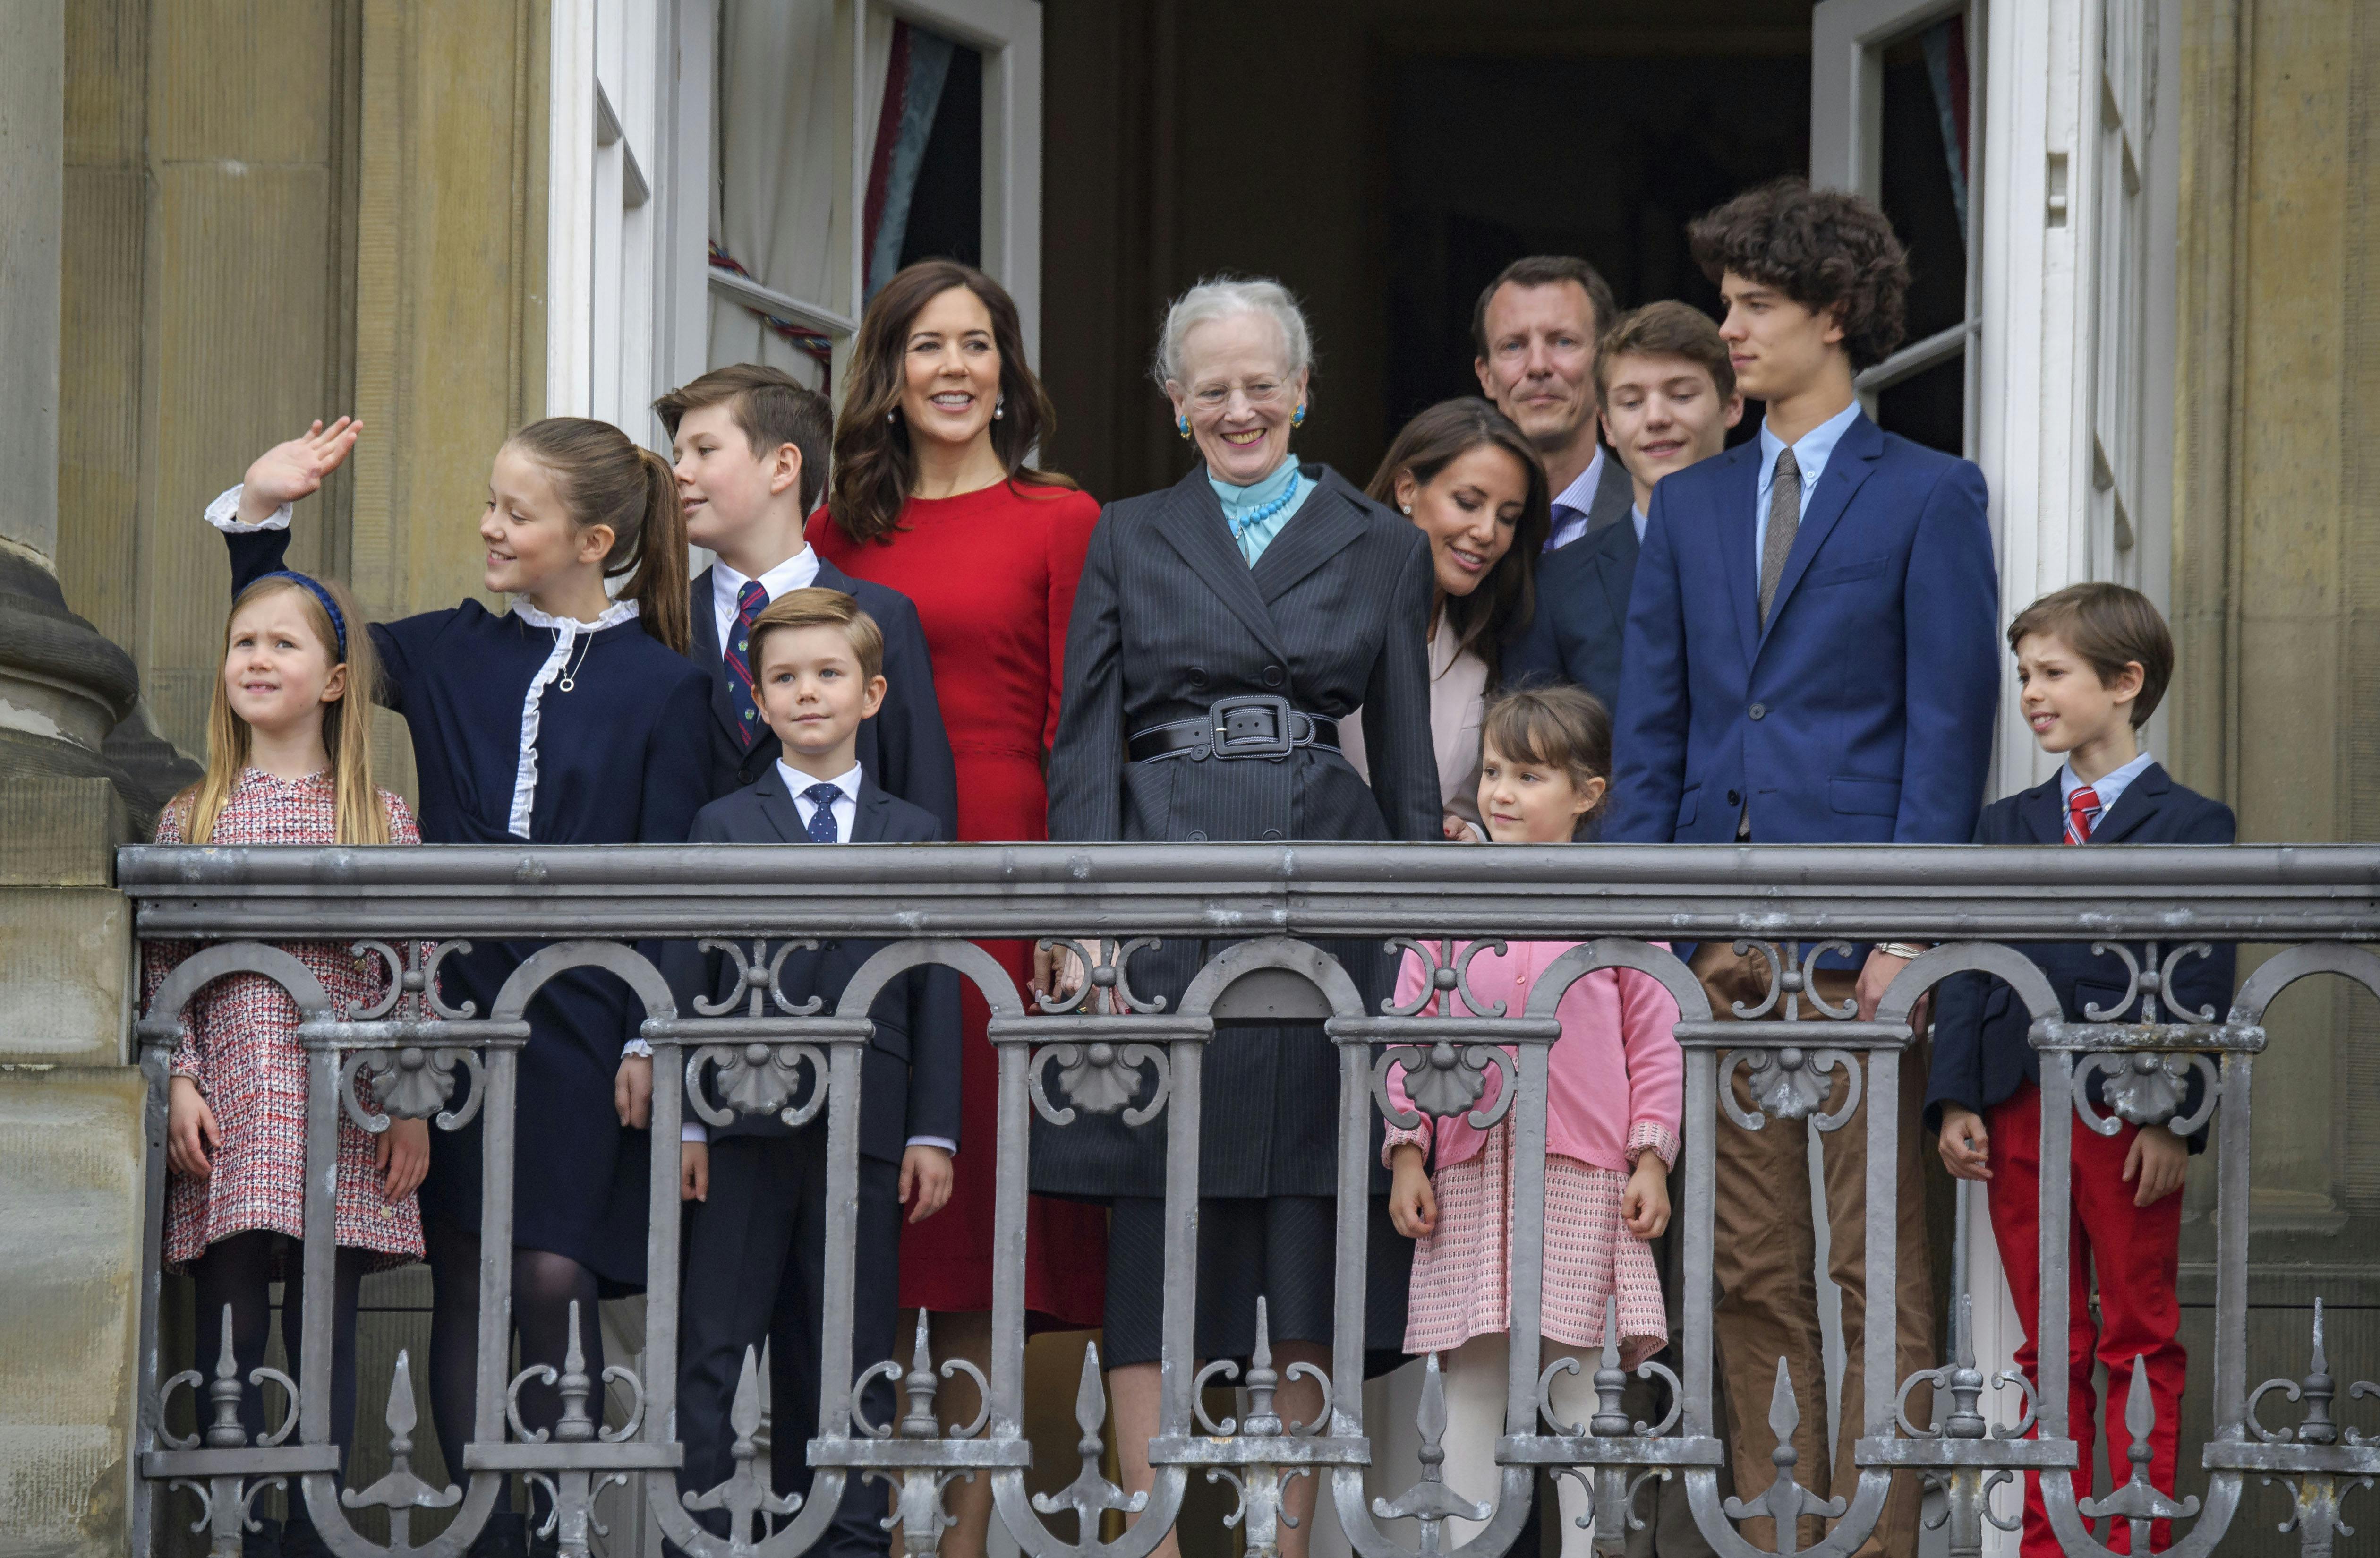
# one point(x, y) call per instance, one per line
point(1169, 617)
point(1981, 1054)
point(903, 748)
point(1582, 613)
point(1863, 710)
point(909, 1082)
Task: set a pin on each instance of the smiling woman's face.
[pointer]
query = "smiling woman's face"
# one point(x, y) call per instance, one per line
point(1470, 511)
point(950, 384)
point(1239, 396)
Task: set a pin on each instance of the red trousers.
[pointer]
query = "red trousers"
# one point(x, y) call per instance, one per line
point(2135, 1252)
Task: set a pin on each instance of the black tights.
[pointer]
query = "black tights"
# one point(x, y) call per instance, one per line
point(237, 1271)
point(545, 1286)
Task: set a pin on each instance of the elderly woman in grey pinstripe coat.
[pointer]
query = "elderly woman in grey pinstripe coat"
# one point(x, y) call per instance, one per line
point(1222, 628)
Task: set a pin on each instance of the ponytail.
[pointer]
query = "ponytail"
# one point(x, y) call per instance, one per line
point(604, 479)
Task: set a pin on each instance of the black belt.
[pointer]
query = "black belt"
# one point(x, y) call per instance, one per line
point(1258, 725)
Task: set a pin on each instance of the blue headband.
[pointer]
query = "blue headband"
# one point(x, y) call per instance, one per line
point(338, 623)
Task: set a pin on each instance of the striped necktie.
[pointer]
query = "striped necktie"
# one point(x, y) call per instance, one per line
point(742, 690)
point(2082, 811)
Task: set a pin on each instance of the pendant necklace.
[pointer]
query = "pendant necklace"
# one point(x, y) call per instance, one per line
point(569, 672)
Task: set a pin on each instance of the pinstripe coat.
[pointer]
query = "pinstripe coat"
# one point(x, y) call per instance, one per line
point(1168, 619)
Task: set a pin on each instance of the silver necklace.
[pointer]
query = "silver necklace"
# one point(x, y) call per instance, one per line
point(569, 677)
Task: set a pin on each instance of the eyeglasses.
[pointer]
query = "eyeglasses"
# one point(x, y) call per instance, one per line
point(1257, 392)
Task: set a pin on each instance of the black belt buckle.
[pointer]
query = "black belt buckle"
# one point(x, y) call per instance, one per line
point(1256, 725)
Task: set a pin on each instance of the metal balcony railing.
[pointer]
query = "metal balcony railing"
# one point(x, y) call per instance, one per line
point(1254, 908)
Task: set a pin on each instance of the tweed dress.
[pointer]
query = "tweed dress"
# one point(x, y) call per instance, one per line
point(240, 1043)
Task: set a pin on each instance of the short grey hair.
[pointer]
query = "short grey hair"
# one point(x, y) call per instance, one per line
point(1219, 297)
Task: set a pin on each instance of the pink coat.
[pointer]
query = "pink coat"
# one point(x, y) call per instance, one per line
point(1616, 1066)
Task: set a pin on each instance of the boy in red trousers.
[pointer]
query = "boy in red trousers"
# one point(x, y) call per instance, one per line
point(2093, 661)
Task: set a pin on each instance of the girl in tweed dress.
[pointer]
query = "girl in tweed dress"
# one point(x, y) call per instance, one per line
point(1611, 1132)
point(288, 761)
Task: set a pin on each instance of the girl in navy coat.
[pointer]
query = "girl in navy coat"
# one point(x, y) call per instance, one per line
point(572, 718)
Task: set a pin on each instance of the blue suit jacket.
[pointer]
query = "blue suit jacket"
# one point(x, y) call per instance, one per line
point(1576, 633)
point(909, 1077)
point(1981, 1054)
point(1863, 712)
point(903, 746)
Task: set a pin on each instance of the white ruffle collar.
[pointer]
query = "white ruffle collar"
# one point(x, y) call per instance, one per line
point(567, 630)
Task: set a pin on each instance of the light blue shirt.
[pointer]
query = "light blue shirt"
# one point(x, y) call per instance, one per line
point(1572, 502)
point(1639, 518)
point(1811, 452)
point(1240, 502)
point(2109, 788)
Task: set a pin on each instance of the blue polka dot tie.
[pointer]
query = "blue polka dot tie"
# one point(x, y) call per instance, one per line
point(742, 691)
point(822, 798)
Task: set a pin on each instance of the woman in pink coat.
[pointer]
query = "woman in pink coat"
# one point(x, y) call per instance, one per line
point(1614, 1091)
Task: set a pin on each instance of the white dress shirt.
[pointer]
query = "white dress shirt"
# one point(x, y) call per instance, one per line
point(1811, 452)
point(796, 572)
point(846, 805)
point(1579, 496)
point(2110, 787)
point(1639, 518)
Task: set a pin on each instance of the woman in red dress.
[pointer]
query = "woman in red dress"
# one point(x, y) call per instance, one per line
point(932, 497)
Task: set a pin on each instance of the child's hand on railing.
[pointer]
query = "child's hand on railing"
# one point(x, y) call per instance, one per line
point(1645, 1204)
point(289, 472)
point(1966, 1145)
point(402, 1157)
point(192, 1133)
point(1413, 1203)
point(926, 1175)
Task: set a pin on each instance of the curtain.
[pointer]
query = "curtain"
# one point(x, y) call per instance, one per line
point(918, 66)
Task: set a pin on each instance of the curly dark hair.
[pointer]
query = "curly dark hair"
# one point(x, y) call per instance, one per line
point(1828, 251)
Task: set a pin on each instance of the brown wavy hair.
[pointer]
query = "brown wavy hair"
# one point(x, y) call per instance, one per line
point(1828, 251)
point(1506, 600)
point(604, 478)
point(874, 466)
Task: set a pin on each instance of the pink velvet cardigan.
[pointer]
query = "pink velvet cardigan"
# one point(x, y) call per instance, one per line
point(1617, 1063)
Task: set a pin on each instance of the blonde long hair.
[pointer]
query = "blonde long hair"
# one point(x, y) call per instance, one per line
point(357, 816)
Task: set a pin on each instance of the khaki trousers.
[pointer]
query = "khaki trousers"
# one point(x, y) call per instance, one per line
point(1765, 1260)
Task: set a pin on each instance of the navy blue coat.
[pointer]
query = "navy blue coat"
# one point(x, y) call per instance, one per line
point(1862, 711)
point(909, 1079)
point(1980, 1051)
point(903, 748)
point(1582, 613)
point(620, 760)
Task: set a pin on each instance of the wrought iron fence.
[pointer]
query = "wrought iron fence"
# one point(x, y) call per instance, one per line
point(1254, 908)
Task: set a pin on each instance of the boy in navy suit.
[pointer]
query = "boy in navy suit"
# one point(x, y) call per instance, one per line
point(749, 446)
point(756, 1247)
point(2093, 661)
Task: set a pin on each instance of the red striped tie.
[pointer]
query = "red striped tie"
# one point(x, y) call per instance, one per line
point(2082, 811)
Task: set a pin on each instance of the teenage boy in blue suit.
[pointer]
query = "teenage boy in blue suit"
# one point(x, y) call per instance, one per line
point(1811, 656)
point(749, 446)
point(2094, 662)
point(756, 1249)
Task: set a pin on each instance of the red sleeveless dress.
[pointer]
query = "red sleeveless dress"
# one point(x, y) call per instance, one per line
point(993, 575)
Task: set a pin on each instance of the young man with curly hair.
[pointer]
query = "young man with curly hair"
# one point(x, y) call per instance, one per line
point(1810, 658)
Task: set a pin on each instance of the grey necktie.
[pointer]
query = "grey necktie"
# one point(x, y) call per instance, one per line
point(1784, 520)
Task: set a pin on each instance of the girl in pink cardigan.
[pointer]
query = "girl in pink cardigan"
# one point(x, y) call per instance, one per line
point(1616, 1083)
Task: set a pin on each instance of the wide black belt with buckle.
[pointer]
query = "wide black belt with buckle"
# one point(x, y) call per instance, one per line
point(1258, 725)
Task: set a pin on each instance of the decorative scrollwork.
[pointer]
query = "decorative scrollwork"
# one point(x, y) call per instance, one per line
point(2148, 981)
point(1447, 973)
point(1100, 1076)
point(410, 1083)
point(1964, 1382)
point(757, 978)
point(1090, 1495)
point(757, 1077)
point(1431, 1501)
point(1443, 1080)
point(1788, 1083)
point(2139, 1500)
point(1784, 1501)
point(1790, 967)
point(1610, 1421)
point(1108, 972)
point(746, 1495)
point(413, 977)
point(2146, 1088)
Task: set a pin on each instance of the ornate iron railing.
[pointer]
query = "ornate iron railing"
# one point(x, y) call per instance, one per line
point(1256, 906)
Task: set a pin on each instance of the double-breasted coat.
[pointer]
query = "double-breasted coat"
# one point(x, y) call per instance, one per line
point(1168, 618)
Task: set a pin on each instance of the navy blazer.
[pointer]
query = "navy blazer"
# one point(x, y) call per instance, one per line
point(909, 1079)
point(1981, 1053)
point(1582, 613)
point(1863, 710)
point(903, 748)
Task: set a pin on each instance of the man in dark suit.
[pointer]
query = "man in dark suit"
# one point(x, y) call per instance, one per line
point(750, 450)
point(1534, 329)
point(1811, 657)
point(756, 1247)
point(2094, 661)
point(1668, 393)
